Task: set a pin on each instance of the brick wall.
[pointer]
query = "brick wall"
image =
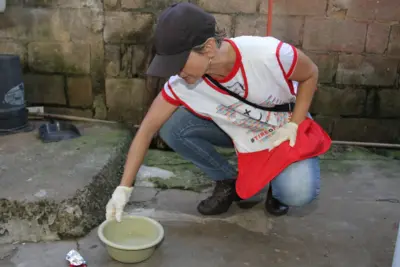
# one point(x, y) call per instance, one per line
point(87, 57)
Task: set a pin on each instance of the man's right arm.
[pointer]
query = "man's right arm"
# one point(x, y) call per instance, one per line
point(161, 109)
point(159, 112)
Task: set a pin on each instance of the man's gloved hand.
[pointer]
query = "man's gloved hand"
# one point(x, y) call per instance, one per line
point(116, 204)
point(286, 132)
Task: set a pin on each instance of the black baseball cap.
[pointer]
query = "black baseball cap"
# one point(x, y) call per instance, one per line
point(180, 27)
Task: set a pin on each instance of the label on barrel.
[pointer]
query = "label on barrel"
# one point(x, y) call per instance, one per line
point(15, 96)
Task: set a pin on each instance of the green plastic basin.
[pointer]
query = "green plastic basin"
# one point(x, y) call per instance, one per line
point(132, 240)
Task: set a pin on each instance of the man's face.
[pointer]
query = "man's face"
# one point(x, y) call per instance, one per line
point(198, 63)
point(195, 67)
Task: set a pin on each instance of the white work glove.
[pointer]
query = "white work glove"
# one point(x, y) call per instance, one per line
point(116, 204)
point(286, 132)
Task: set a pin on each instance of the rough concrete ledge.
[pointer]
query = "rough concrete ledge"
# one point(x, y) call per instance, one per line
point(168, 170)
point(58, 190)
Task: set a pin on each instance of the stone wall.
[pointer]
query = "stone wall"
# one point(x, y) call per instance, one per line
point(87, 57)
point(60, 44)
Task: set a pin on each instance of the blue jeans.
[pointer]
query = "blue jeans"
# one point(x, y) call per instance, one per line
point(195, 139)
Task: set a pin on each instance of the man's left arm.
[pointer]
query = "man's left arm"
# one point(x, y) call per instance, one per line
point(306, 74)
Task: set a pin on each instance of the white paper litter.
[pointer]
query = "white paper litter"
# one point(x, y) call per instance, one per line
point(146, 172)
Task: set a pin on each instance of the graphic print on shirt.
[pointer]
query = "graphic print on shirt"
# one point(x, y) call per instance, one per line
point(254, 120)
point(236, 84)
point(236, 88)
point(272, 101)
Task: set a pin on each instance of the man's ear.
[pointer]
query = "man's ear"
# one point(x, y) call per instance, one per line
point(210, 47)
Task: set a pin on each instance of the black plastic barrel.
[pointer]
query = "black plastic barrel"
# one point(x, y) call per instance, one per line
point(13, 113)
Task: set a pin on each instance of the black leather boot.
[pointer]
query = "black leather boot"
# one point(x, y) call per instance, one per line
point(245, 205)
point(221, 199)
point(274, 206)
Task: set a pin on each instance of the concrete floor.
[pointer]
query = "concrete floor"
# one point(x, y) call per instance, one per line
point(353, 223)
point(57, 189)
point(31, 170)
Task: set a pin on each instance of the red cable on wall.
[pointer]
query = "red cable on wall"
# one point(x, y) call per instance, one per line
point(269, 20)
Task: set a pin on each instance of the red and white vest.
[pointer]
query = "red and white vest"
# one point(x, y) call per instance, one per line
point(260, 75)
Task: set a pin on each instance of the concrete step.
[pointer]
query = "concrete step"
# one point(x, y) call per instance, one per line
point(51, 191)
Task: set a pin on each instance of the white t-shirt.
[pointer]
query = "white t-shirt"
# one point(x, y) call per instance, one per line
point(260, 75)
point(286, 54)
